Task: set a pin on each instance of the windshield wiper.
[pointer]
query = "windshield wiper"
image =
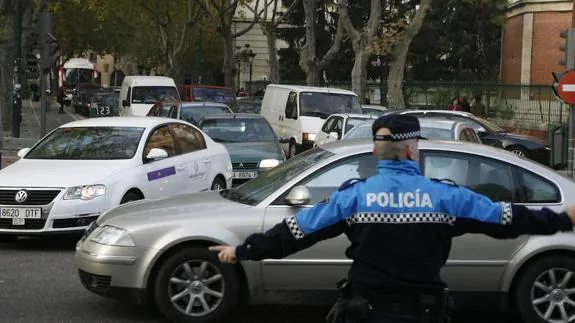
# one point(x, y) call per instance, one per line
point(317, 114)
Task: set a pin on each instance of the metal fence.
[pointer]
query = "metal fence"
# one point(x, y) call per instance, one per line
point(523, 106)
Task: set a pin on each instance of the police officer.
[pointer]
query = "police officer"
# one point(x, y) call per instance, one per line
point(400, 225)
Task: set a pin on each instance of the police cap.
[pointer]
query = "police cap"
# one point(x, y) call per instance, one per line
point(401, 126)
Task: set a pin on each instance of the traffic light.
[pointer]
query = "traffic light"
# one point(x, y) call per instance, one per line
point(568, 59)
point(556, 78)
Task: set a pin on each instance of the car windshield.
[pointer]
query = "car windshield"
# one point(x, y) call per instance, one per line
point(73, 76)
point(319, 104)
point(352, 123)
point(256, 190)
point(362, 131)
point(213, 95)
point(239, 130)
point(153, 94)
point(488, 125)
point(89, 143)
point(101, 99)
point(194, 114)
point(436, 133)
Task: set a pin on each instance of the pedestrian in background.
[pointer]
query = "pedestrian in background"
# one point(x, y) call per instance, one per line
point(400, 225)
point(455, 105)
point(478, 107)
point(465, 105)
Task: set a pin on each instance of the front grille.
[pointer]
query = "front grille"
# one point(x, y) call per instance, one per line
point(244, 165)
point(74, 222)
point(35, 197)
point(97, 283)
point(30, 224)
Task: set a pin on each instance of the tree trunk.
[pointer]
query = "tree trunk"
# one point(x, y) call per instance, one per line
point(274, 64)
point(359, 70)
point(308, 59)
point(228, 67)
point(395, 96)
point(6, 85)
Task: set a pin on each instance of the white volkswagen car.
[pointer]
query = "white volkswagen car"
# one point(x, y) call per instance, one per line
point(84, 168)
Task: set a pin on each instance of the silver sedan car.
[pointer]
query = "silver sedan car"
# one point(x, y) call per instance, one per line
point(156, 251)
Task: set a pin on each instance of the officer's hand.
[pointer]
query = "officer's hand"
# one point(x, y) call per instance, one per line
point(226, 254)
point(570, 210)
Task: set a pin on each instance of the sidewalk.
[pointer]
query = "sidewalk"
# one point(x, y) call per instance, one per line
point(30, 128)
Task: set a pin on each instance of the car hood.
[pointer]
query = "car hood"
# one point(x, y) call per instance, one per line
point(242, 151)
point(524, 138)
point(197, 206)
point(59, 173)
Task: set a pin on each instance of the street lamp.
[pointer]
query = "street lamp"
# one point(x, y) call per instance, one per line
point(250, 56)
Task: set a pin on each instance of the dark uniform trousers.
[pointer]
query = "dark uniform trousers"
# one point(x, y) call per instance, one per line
point(390, 318)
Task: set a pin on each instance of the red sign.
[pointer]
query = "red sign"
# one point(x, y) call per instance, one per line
point(566, 88)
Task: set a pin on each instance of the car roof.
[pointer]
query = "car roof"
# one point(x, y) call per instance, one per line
point(203, 104)
point(235, 116)
point(301, 88)
point(437, 123)
point(137, 121)
point(460, 113)
point(354, 115)
point(353, 146)
point(374, 106)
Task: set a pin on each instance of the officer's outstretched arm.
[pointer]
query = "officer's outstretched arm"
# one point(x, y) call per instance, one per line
point(323, 221)
point(476, 213)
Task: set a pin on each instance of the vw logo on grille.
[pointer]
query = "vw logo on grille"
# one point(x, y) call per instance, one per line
point(21, 196)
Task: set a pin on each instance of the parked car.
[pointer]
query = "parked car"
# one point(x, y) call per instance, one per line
point(491, 134)
point(146, 250)
point(105, 104)
point(250, 140)
point(372, 109)
point(437, 129)
point(337, 125)
point(84, 168)
point(248, 106)
point(161, 108)
point(194, 112)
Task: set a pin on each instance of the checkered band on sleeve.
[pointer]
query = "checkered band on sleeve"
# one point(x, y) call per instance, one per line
point(506, 213)
point(401, 218)
point(294, 227)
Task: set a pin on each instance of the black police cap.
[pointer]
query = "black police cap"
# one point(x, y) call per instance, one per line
point(401, 126)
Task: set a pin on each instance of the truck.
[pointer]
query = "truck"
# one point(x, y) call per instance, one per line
point(76, 73)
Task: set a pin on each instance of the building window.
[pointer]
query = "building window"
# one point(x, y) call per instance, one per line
point(106, 68)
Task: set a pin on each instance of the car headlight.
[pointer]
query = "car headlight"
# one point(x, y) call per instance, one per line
point(112, 236)
point(86, 192)
point(270, 163)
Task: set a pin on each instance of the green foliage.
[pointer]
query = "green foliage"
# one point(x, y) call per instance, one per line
point(460, 41)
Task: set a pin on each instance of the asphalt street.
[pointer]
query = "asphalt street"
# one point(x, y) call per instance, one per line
point(39, 283)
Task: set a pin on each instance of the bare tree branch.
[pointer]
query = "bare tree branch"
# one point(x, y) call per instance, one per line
point(286, 14)
point(330, 54)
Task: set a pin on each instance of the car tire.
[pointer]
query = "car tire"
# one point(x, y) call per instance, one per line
point(220, 295)
point(535, 285)
point(292, 149)
point(130, 197)
point(218, 184)
point(519, 151)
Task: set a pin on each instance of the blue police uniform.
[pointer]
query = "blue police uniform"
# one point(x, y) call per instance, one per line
point(400, 225)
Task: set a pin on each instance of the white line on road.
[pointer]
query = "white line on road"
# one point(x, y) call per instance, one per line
point(71, 114)
point(568, 87)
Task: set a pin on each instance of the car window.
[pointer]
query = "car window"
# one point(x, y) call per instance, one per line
point(162, 139)
point(485, 176)
point(328, 124)
point(362, 131)
point(471, 135)
point(194, 114)
point(352, 122)
point(153, 94)
point(238, 130)
point(463, 136)
point(326, 181)
point(188, 138)
point(337, 126)
point(170, 111)
point(436, 133)
point(536, 189)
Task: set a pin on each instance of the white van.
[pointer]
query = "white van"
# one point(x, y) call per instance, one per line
point(297, 113)
point(139, 93)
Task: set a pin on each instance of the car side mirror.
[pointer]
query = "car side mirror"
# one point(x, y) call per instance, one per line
point(299, 195)
point(284, 140)
point(125, 103)
point(156, 154)
point(22, 152)
point(334, 135)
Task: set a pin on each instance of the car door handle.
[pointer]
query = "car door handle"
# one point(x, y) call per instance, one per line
point(180, 168)
point(206, 161)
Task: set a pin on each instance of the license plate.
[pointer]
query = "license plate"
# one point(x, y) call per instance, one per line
point(18, 221)
point(20, 213)
point(245, 174)
point(101, 111)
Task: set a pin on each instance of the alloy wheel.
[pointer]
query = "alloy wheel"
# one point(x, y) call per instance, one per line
point(553, 295)
point(518, 152)
point(196, 288)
